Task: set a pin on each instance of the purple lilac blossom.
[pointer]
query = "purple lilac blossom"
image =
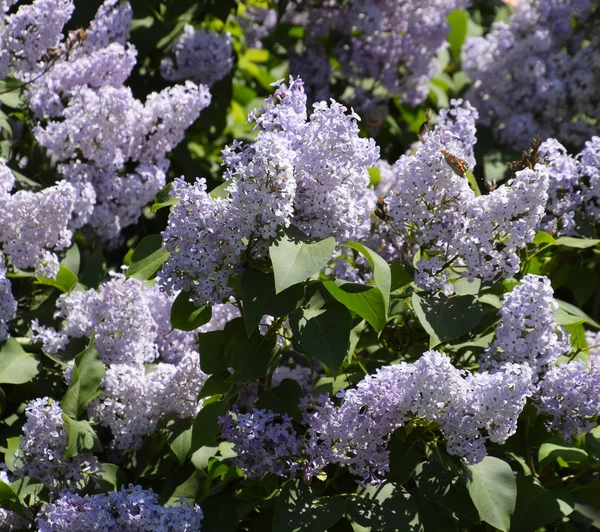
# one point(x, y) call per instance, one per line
point(312, 174)
point(202, 56)
point(528, 333)
point(135, 398)
point(537, 73)
point(43, 446)
point(469, 408)
point(589, 177)
point(396, 43)
point(433, 207)
point(27, 34)
point(570, 393)
point(130, 509)
point(8, 304)
point(593, 342)
point(34, 224)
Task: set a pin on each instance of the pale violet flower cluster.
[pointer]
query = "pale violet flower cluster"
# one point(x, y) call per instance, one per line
point(133, 509)
point(27, 34)
point(433, 207)
point(528, 333)
point(75, 88)
point(202, 56)
point(33, 225)
point(309, 173)
point(395, 43)
point(42, 448)
point(537, 73)
point(471, 409)
point(570, 394)
point(8, 304)
point(135, 398)
point(593, 342)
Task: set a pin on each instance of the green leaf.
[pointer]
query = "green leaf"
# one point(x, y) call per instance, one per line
point(163, 198)
point(298, 509)
point(64, 281)
point(575, 311)
point(382, 275)
point(206, 428)
point(221, 190)
point(459, 23)
point(186, 316)
point(322, 329)
point(576, 243)
point(283, 399)
point(295, 258)
point(385, 507)
point(401, 277)
point(86, 382)
point(9, 499)
point(260, 298)
point(81, 438)
point(566, 454)
point(493, 489)
point(541, 237)
point(564, 318)
point(447, 318)
point(110, 478)
point(16, 366)
point(367, 301)
point(582, 281)
point(536, 506)
point(147, 258)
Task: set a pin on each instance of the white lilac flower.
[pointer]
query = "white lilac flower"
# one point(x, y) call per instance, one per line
point(133, 509)
point(202, 56)
point(42, 448)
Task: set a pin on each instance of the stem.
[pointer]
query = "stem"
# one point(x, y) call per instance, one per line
point(528, 455)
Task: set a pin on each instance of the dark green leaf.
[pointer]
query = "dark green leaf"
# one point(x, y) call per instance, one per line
point(9, 499)
point(298, 509)
point(147, 258)
point(567, 454)
point(16, 366)
point(81, 438)
point(447, 318)
point(163, 198)
point(283, 399)
point(323, 329)
point(296, 258)
point(385, 507)
point(493, 489)
point(260, 298)
point(459, 23)
point(367, 301)
point(536, 506)
point(575, 311)
point(582, 281)
point(85, 384)
point(206, 428)
point(400, 275)
point(186, 316)
point(577, 243)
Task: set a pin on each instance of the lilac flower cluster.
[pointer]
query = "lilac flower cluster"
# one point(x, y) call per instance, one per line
point(395, 43)
point(34, 223)
point(8, 304)
point(27, 34)
point(574, 185)
point(469, 408)
point(135, 398)
point(570, 393)
point(76, 89)
point(312, 174)
point(42, 448)
point(202, 56)
point(528, 332)
point(433, 207)
point(131, 326)
point(131, 509)
point(537, 74)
